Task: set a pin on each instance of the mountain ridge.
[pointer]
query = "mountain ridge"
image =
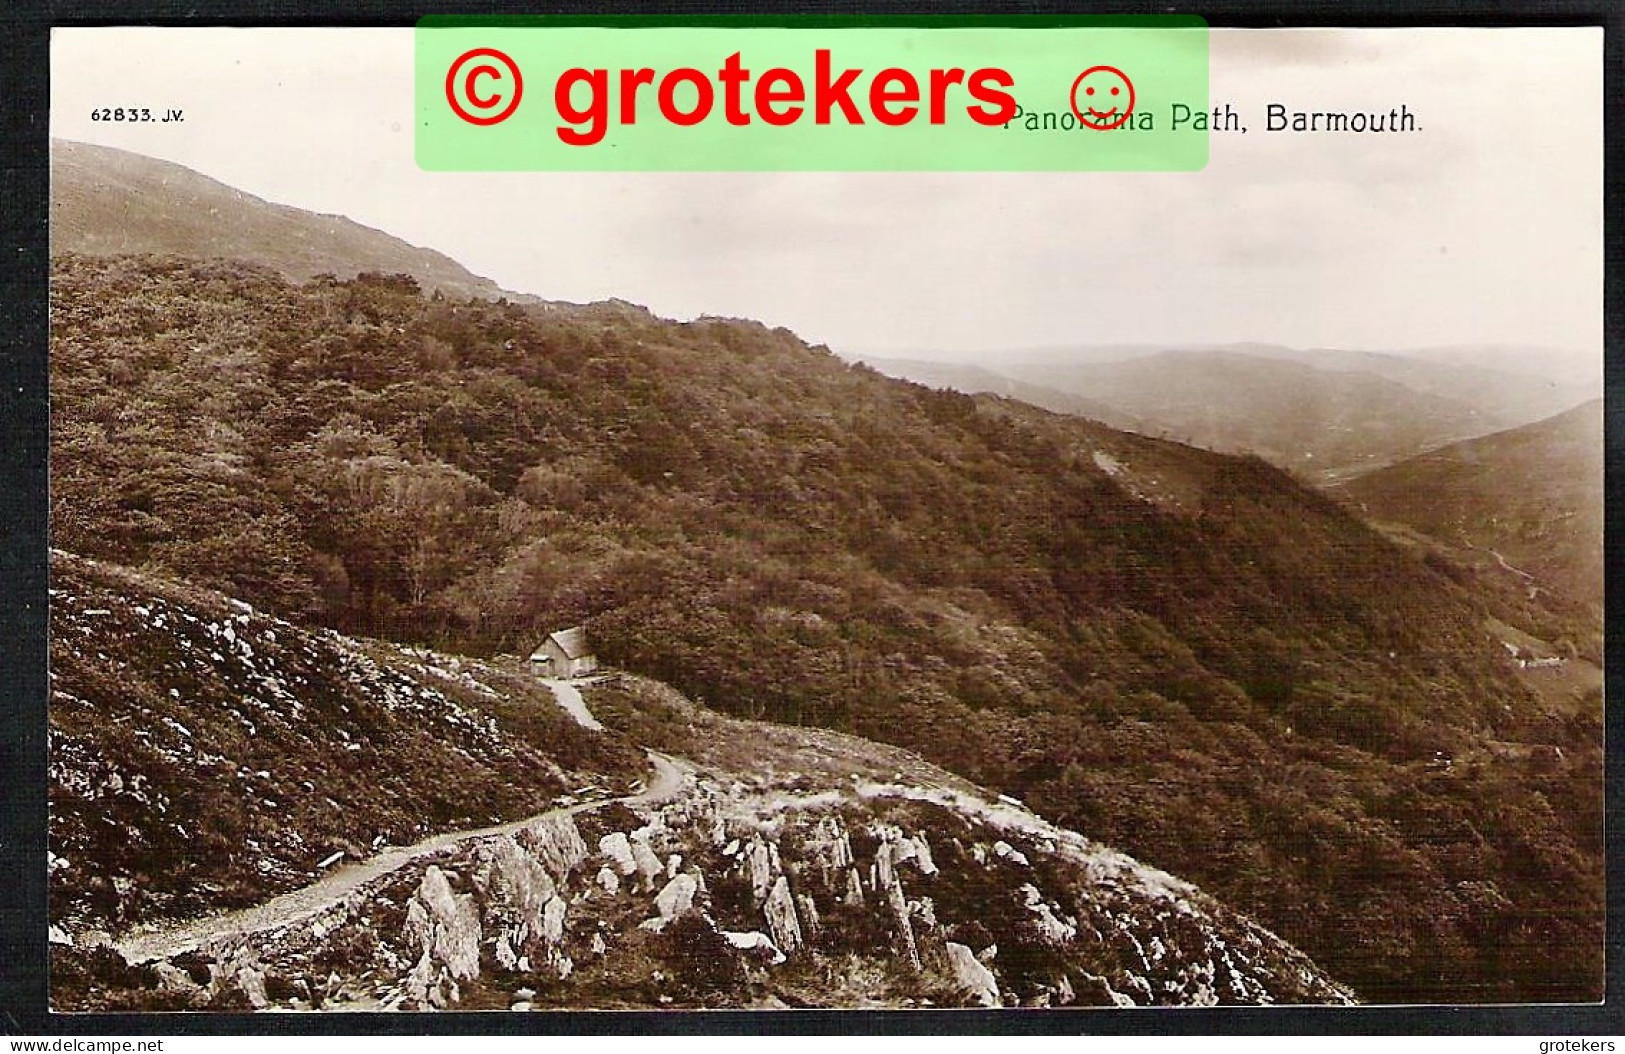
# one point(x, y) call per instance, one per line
point(103, 201)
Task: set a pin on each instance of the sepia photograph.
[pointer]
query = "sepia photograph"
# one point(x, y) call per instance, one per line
point(493, 591)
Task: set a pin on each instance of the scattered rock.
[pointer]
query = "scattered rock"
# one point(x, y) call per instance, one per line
point(905, 925)
point(619, 850)
point(553, 921)
point(252, 983)
point(647, 863)
point(854, 888)
point(1006, 851)
point(974, 980)
point(755, 941)
point(443, 929)
point(175, 981)
point(809, 915)
point(782, 923)
point(608, 880)
point(677, 897)
point(760, 862)
point(557, 843)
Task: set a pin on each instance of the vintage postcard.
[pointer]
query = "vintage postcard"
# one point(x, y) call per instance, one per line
point(825, 515)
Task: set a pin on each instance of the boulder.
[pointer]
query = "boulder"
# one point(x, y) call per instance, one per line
point(173, 980)
point(974, 980)
point(608, 880)
point(905, 924)
point(1054, 929)
point(553, 921)
point(922, 856)
point(854, 888)
point(252, 983)
point(442, 928)
point(755, 941)
point(517, 885)
point(677, 897)
point(1006, 851)
point(557, 843)
point(809, 915)
point(619, 851)
point(780, 912)
point(760, 862)
point(648, 864)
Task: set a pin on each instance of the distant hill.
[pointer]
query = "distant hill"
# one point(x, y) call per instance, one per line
point(1323, 424)
point(1325, 413)
point(1533, 495)
point(106, 201)
point(1571, 366)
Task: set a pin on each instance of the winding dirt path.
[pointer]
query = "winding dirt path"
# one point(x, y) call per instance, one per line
point(569, 697)
point(669, 779)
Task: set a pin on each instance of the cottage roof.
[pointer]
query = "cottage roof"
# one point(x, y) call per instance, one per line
point(572, 641)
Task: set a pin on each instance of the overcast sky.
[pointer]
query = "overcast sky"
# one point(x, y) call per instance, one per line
point(1484, 227)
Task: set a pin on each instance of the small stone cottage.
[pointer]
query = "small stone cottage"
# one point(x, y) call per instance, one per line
point(564, 654)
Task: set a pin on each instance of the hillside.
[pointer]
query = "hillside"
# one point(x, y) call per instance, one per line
point(229, 755)
point(106, 201)
point(976, 380)
point(1186, 655)
point(1530, 499)
point(205, 753)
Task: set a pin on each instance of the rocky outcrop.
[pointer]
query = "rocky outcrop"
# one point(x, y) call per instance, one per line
point(782, 920)
point(972, 978)
point(556, 843)
point(885, 896)
point(443, 929)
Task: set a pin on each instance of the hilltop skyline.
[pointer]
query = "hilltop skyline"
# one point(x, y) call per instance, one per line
point(1476, 230)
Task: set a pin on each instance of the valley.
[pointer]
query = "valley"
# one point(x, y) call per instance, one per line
point(308, 520)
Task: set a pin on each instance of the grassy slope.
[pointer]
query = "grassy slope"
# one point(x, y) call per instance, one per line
point(206, 755)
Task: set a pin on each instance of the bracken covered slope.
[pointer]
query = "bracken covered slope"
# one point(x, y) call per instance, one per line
point(205, 754)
